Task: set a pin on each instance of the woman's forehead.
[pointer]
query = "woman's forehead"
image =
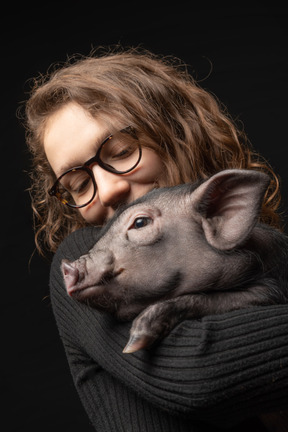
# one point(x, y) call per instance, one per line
point(70, 135)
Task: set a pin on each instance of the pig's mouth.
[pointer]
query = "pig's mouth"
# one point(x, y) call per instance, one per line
point(77, 282)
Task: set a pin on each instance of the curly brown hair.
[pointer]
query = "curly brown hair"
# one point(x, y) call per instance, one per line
point(187, 126)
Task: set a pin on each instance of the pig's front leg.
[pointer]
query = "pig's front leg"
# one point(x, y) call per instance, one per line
point(157, 320)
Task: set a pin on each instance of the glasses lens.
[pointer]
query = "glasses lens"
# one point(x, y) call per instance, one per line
point(121, 152)
point(76, 188)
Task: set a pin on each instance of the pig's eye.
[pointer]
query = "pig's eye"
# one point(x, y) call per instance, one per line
point(141, 222)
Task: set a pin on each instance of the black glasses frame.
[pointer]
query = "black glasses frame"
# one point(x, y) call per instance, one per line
point(54, 190)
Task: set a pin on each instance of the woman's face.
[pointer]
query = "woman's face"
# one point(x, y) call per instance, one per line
point(72, 137)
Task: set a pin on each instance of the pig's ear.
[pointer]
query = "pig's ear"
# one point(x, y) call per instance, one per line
point(228, 206)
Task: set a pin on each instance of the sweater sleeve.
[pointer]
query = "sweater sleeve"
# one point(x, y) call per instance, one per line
point(225, 367)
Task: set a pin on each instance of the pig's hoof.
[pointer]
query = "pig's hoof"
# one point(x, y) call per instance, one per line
point(137, 342)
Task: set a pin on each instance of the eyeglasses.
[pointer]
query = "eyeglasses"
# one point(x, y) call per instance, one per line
point(119, 153)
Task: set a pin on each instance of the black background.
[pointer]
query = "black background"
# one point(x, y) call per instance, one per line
point(240, 55)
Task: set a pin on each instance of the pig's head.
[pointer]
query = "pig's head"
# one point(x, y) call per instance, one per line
point(166, 241)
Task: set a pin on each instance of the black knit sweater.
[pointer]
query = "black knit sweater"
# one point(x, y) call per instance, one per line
point(207, 374)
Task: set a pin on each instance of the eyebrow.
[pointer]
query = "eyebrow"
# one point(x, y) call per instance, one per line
point(66, 166)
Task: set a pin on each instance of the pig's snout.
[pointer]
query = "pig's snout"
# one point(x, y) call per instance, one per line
point(92, 271)
point(71, 274)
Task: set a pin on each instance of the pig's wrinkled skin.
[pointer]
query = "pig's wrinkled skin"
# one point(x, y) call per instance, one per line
point(184, 252)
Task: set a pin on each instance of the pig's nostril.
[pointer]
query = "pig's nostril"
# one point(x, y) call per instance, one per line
point(70, 273)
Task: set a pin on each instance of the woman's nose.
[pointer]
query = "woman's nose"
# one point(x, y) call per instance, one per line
point(112, 189)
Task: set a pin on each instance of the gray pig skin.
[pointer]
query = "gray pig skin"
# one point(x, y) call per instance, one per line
point(182, 253)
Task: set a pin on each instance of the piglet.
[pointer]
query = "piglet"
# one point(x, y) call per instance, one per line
point(182, 253)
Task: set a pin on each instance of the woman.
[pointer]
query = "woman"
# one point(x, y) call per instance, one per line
point(220, 370)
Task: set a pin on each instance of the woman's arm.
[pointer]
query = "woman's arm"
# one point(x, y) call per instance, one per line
point(227, 367)
point(110, 403)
